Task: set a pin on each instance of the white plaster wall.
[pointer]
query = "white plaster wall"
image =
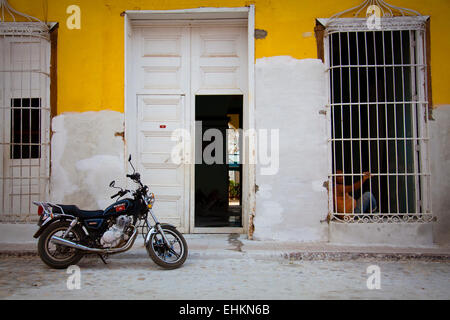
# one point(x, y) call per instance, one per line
point(85, 156)
point(290, 204)
point(440, 172)
point(382, 234)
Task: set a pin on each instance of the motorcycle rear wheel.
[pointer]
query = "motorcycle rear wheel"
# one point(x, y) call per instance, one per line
point(58, 256)
point(168, 258)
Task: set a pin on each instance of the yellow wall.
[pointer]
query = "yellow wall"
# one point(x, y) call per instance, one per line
point(91, 60)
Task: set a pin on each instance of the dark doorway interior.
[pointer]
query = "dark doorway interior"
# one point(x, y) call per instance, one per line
point(218, 199)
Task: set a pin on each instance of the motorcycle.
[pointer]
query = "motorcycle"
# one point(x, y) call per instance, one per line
point(66, 233)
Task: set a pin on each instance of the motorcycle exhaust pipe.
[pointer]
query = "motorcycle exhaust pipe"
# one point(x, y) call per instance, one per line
point(67, 243)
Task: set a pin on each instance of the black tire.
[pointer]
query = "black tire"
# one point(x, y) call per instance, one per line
point(157, 251)
point(70, 256)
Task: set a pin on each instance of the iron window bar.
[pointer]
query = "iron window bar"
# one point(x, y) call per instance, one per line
point(392, 71)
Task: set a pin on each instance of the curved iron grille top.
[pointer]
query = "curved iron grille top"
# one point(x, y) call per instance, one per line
point(387, 10)
point(19, 29)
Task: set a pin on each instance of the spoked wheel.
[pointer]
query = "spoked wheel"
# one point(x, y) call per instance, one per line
point(171, 257)
point(55, 255)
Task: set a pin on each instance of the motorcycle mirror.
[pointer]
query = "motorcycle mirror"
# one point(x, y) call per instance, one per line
point(112, 184)
point(129, 160)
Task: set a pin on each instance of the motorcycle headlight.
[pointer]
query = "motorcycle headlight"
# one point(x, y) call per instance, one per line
point(150, 199)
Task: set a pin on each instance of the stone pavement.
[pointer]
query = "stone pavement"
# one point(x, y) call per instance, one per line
point(228, 266)
point(236, 276)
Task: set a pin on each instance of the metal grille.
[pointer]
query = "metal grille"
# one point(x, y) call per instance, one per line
point(378, 122)
point(25, 118)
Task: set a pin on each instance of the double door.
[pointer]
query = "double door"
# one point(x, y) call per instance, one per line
point(171, 64)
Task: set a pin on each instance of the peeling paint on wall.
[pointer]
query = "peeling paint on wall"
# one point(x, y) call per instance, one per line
point(120, 134)
point(260, 34)
point(289, 95)
point(86, 156)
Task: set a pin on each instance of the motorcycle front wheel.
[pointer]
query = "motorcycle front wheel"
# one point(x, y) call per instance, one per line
point(168, 258)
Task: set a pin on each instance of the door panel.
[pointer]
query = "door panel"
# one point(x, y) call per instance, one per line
point(219, 60)
point(158, 117)
point(162, 60)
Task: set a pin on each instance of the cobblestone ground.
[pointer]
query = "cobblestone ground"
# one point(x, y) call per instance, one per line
point(239, 277)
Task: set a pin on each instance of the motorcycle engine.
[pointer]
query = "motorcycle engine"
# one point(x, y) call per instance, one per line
point(115, 234)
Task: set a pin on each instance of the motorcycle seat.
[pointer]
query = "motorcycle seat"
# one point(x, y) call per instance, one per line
point(77, 212)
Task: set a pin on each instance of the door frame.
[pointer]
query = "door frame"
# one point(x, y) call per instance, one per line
point(249, 146)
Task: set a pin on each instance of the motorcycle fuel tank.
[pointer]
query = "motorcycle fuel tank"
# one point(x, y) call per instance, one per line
point(120, 207)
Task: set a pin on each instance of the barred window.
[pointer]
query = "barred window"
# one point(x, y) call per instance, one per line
point(25, 118)
point(378, 112)
point(25, 128)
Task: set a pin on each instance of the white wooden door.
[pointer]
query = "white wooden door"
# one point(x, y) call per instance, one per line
point(171, 64)
point(162, 82)
point(219, 59)
point(218, 67)
point(162, 60)
point(158, 117)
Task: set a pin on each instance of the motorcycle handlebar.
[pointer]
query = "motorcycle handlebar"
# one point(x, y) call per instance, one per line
point(120, 193)
point(112, 197)
point(134, 176)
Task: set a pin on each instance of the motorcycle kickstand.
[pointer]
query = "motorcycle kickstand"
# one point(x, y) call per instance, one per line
point(103, 257)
